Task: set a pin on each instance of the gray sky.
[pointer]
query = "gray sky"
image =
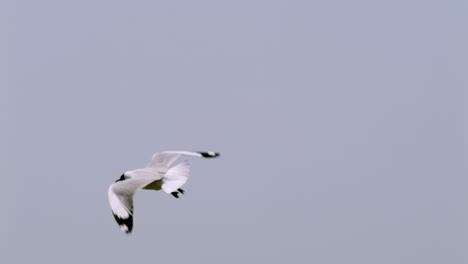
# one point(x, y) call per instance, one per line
point(340, 123)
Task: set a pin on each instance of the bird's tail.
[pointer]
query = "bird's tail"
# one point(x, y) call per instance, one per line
point(176, 177)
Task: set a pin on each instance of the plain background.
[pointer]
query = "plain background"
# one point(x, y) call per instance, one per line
point(341, 126)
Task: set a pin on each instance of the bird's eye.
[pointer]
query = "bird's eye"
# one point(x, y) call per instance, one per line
point(121, 178)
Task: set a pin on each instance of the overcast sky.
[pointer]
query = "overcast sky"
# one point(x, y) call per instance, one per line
point(340, 123)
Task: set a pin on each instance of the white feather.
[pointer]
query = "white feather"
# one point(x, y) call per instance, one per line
point(121, 192)
point(176, 177)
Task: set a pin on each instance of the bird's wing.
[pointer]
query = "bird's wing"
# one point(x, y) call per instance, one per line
point(121, 199)
point(162, 160)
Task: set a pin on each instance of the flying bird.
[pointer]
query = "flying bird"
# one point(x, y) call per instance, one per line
point(156, 175)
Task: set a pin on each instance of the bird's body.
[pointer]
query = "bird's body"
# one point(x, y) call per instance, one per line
point(156, 175)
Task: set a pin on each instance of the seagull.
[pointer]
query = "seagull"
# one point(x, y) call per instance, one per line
point(156, 175)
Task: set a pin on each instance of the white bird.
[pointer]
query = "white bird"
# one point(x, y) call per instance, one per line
point(156, 175)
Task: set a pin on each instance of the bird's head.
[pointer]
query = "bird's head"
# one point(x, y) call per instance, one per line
point(122, 178)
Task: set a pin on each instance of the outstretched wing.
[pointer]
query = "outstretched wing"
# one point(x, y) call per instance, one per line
point(121, 200)
point(162, 160)
point(122, 209)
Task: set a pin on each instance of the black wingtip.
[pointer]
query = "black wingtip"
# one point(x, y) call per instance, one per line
point(209, 154)
point(126, 224)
